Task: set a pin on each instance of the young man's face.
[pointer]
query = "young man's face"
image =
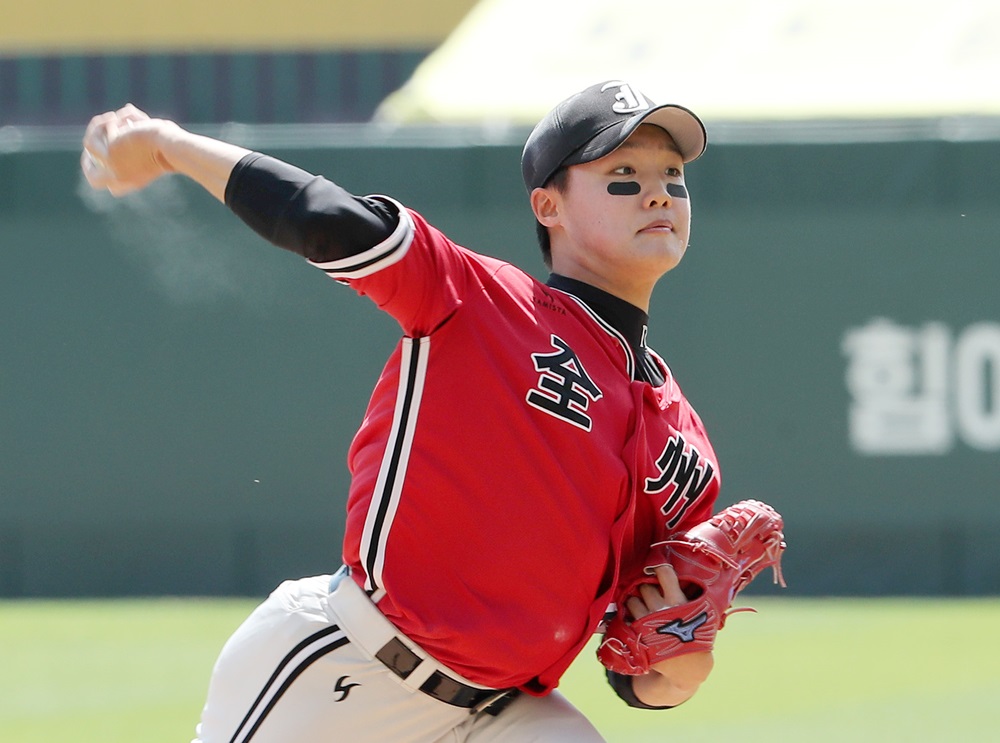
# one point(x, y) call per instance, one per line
point(625, 218)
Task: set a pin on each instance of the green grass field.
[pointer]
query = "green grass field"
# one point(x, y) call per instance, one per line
point(807, 670)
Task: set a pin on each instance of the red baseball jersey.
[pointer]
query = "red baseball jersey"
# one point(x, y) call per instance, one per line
point(510, 469)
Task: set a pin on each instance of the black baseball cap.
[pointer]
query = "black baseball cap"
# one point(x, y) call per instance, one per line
point(590, 124)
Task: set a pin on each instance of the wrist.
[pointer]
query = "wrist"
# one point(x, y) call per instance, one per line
point(166, 140)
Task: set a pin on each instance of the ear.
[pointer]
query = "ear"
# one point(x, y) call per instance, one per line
point(545, 205)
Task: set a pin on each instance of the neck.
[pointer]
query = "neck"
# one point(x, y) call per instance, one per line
point(636, 293)
point(628, 319)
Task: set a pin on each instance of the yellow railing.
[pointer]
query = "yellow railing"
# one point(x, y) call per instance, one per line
point(144, 25)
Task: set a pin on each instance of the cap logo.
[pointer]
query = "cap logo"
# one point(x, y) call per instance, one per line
point(627, 100)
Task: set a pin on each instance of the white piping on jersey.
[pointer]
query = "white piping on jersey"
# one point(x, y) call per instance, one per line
point(392, 473)
point(609, 329)
point(374, 259)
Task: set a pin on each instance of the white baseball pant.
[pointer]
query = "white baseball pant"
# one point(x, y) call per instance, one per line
point(303, 667)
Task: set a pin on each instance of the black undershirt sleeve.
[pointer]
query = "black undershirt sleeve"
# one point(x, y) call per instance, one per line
point(622, 685)
point(304, 213)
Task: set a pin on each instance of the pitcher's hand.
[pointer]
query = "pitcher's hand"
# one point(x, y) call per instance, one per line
point(121, 150)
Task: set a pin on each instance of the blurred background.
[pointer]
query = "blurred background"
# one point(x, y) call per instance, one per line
point(177, 397)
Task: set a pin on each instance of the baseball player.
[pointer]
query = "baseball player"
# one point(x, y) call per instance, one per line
point(521, 451)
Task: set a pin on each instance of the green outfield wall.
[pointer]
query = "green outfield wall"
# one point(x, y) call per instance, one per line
point(177, 396)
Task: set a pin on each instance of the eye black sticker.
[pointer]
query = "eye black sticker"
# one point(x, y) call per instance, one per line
point(624, 188)
point(631, 188)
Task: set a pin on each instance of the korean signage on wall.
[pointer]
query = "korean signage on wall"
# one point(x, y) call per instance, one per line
point(923, 390)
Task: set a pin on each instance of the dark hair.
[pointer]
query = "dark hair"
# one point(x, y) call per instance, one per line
point(558, 182)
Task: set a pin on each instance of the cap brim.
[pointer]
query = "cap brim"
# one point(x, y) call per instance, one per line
point(683, 126)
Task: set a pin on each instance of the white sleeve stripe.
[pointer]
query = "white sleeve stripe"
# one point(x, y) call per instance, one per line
point(387, 252)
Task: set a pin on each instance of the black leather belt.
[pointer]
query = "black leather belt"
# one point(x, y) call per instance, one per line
point(402, 661)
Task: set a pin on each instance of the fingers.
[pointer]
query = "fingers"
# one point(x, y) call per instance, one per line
point(95, 138)
point(654, 597)
point(106, 162)
point(95, 173)
point(105, 127)
point(98, 173)
point(670, 586)
point(130, 114)
point(100, 177)
point(637, 607)
point(650, 599)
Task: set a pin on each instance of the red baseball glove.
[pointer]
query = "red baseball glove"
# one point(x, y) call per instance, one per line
point(714, 561)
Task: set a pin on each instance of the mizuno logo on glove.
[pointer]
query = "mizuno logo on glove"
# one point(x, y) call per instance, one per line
point(714, 561)
point(683, 631)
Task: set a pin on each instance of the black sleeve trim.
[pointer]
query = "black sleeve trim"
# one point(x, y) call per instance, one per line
point(622, 685)
point(305, 213)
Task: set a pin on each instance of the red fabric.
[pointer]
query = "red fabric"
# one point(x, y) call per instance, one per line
point(500, 545)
